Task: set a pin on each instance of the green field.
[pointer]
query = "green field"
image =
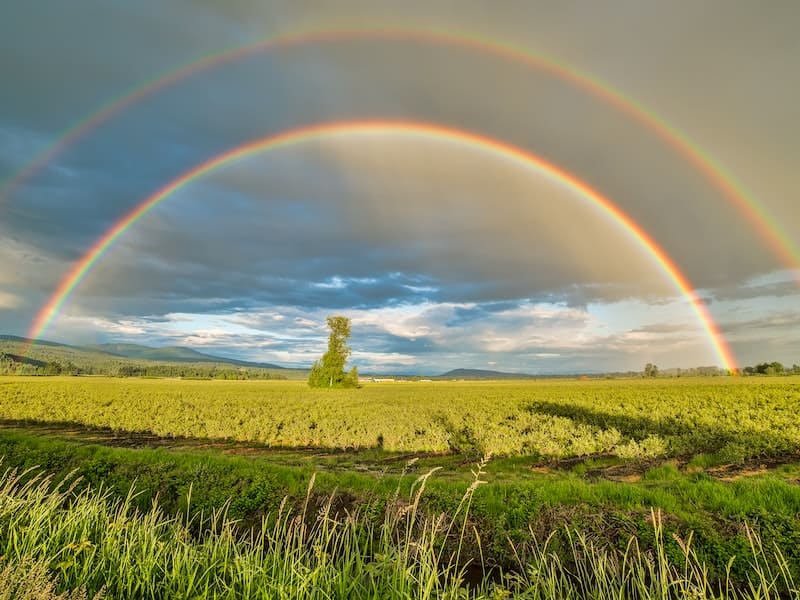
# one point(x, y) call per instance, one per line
point(735, 418)
point(584, 462)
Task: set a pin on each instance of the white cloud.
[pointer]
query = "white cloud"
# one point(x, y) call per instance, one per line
point(9, 301)
point(371, 359)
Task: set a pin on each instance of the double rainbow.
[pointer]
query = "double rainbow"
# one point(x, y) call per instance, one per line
point(733, 191)
point(424, 131)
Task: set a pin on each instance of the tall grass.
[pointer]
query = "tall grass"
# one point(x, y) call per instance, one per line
point(57, 540)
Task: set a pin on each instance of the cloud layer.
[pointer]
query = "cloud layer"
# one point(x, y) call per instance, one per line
point(444, 254)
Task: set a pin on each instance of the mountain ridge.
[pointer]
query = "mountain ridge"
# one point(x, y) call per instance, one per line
point(173, 354)
point(483, 374)
point(112, 351)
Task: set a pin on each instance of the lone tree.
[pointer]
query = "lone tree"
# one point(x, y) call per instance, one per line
point(329, 371)
point(650, 370)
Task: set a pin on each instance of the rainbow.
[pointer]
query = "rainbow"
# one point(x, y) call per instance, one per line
point(348, 128)
point(766, 226)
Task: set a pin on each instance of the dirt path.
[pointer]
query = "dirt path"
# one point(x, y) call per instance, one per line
point(334, 459)
point(632, 472)
point(372, 460)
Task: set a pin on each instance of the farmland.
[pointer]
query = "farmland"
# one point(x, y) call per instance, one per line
point(736, 419)
point(593, 464)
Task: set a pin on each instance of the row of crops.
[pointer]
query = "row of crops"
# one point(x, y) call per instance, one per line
point(736, 417)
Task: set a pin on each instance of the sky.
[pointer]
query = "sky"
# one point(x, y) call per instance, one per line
point(443, 251)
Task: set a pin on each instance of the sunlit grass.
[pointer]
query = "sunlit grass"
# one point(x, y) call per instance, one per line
point(56, 539)
point(729, 420)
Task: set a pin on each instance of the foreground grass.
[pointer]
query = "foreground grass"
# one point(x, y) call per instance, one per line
point(507, 524)
point(55, 540)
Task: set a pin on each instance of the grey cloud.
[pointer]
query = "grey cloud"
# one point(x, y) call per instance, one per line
point(579, 140)
point(384, 244)
point(765, 290)
point(65, 59)
point(763, 335)
point(398, 223)
point(785, 321)
point(661, 328)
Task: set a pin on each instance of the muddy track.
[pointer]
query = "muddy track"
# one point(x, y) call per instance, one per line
point(366, 460)
point(631, 472)
point(105, 436)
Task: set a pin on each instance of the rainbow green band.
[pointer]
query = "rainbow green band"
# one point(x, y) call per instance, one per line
point(295, 136)
point(766, 226)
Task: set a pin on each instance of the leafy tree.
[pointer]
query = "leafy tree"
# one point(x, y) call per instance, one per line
point(329, 371)
point(53, 368)
point(71, 369)
point(771, 368)
point(650, 370)
point(775, 368)
point(7, 364)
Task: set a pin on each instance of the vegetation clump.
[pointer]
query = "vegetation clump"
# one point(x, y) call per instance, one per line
point(329, 371)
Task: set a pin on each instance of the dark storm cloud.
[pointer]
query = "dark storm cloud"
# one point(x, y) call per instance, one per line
point(185, 111)
point(189, 117)
point(61, 59)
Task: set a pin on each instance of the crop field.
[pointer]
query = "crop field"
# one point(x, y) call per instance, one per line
point(274, 489)
point(735, 419)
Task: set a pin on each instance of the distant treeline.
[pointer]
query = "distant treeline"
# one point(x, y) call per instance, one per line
point(773, 368)
point(652, 371)
point(12, 364)
point(765, 368)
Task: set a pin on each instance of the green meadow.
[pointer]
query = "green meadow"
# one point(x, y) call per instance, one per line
point(167, 488)
point(734, 418)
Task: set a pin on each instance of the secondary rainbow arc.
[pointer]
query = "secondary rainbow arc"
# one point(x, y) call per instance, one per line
point(767, 227)
point(294, 136)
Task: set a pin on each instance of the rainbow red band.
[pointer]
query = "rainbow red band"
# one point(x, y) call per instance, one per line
point(83, 266)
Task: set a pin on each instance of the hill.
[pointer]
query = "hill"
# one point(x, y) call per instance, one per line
point(173, 354)
point(482, 374)
point(16, 356)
